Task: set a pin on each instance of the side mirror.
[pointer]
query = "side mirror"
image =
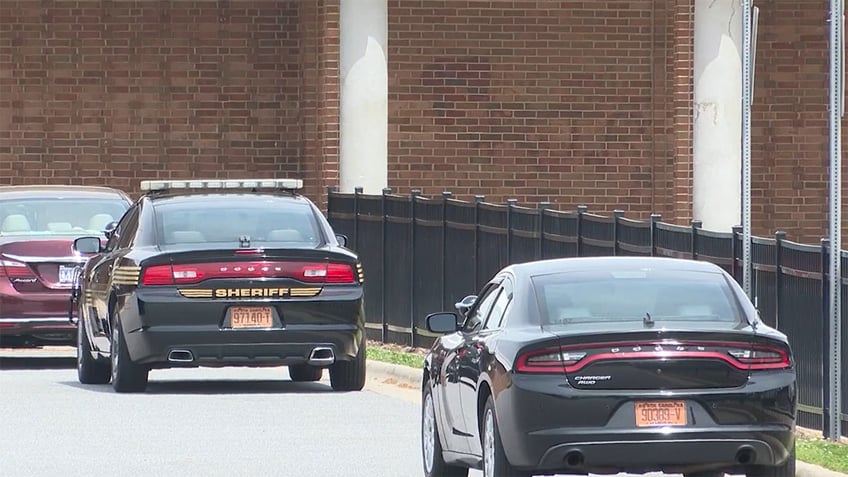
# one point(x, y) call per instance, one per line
point(465, 304)
point(87, 245)
point(109, 230)
point(442, 322)
point(342, 239)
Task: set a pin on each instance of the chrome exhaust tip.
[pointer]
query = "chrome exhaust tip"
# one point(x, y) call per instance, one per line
point(574, 459)
point(180, 356)
point(746, 455)
point(321, 356)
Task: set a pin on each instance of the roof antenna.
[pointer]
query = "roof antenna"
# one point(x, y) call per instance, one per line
point(648, 321)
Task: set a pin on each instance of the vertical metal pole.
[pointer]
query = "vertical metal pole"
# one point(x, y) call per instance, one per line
point(581, 209)
point(779, 237)
point(655, 219)
point(825, 360)
point(543, 206)
point(510, 203)
point(616, 214)
point(445, 198)
point(695, 224)
point(413, 199)
point(747, 90)
point(384, 324)
point(835, 111)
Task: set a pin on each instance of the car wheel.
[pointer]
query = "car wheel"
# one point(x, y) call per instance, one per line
point(89, 369)
point(431, 446)
point(349, 375)
point(787, 469)
point(127, 377)
point(304, 373)
point(495, 463)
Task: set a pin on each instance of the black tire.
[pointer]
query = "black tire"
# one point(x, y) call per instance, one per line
point(500, 465)
point(786, 469)
point(349, 375)
point(127, 377)
point(89, 369)
point(435, 465)
point(302, 373)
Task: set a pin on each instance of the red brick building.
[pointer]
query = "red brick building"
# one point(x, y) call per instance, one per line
point(566, 101)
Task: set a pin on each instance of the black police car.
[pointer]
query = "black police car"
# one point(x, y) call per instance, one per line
point(220, 273)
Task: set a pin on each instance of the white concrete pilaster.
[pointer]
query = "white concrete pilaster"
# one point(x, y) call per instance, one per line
point(717, 122)
point(363, 101)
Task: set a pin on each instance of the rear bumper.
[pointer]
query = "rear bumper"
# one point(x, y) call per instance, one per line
point(547, 425)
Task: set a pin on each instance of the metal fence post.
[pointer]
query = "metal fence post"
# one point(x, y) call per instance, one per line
point(445, 198)
point(736, 252)
point(825, 293)
point(384, 325)
point(478, 199)
point(543, 206)
point(696, 224)
point(655, 219)
point(779, 237)
point(616, 214)
point(357, 191)
point(581, 209)
point(413, 198)
point(510, 204)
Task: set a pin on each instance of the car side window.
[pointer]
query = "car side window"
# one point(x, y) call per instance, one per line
point(129, 226)
point(495, 319)
point(478, 314)
point(120, 229)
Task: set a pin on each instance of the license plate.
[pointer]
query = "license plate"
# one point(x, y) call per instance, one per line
point(660, 413)
point(66, 274)
point(251, 317)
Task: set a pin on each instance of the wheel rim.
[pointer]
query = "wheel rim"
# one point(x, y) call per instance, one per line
point(114, 352)
point(489, 444)
point(428, 437)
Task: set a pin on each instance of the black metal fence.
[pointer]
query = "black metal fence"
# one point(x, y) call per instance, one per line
point(421, 255)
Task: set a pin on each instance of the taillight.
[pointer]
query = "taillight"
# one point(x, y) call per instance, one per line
point(13, 269)
point(548, 360)
point(195, 273)
point(761, 358)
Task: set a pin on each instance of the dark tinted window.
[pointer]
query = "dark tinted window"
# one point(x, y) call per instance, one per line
point(265, 221)
point(604, 296)
point(59, 216)
point(478, 314)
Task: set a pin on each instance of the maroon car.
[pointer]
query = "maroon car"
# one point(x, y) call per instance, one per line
point(38, 225)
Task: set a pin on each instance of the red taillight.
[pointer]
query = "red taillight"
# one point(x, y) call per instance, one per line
point(761, 358)
point(195, 273)
point(157, 275)
point(548, 360)
point(573, 358)
point(13, 269)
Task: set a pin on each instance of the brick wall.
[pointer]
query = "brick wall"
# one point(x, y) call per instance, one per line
point(789, 140)
point(114, 91)
point(535, 100)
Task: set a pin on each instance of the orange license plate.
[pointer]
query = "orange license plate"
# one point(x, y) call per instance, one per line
point(251, 317)
point(660, 413)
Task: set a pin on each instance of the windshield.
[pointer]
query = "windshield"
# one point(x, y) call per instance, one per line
point(614, 296)
point(59, 216)
point(261, 222)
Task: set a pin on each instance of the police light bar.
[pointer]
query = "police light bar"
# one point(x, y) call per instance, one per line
point(287, 184)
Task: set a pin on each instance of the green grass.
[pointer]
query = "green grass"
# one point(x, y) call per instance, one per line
point(827, 454)
point(395, 357)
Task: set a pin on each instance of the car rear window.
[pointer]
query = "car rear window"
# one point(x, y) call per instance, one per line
point(614, 296)
point(58, 216)
point(271, 222)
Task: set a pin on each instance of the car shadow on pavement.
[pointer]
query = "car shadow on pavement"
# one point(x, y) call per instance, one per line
point(30, 363)
point(215, 387)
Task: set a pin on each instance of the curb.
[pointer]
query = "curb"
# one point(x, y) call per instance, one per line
point(403, 376)
point(407, 377)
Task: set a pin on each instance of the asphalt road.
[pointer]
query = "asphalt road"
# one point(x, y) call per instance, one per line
point(208, 422)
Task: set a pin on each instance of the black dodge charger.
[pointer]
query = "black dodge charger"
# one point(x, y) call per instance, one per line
point(220, 273)
point(606, 365)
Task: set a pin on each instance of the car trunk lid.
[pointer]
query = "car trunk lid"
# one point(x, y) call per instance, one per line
point(37, 266)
